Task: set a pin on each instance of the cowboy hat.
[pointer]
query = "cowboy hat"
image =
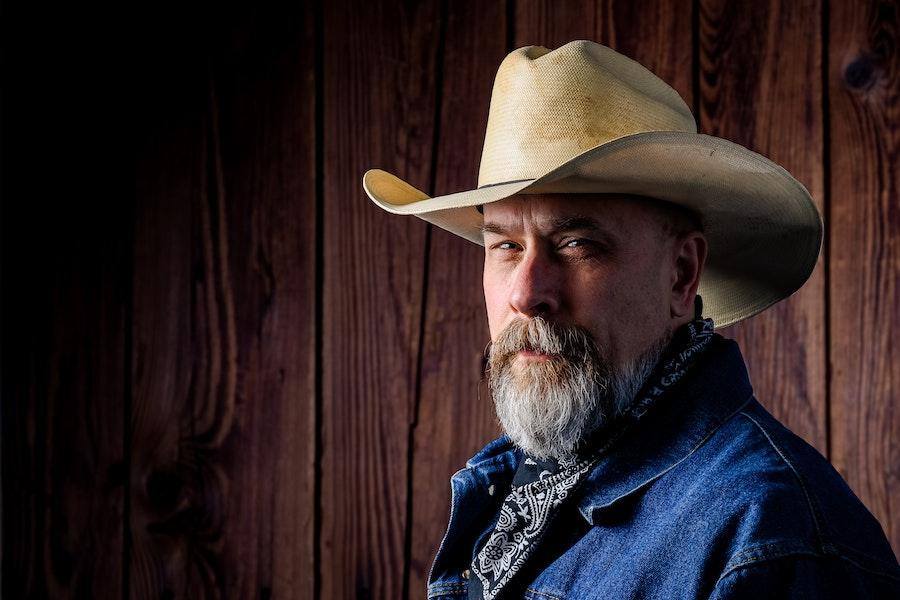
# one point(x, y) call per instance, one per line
point(586, 119)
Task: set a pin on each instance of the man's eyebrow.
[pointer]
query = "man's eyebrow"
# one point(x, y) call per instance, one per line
point(494, 228)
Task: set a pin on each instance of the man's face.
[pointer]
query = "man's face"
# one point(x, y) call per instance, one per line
point(578, 292)
point(598, 262)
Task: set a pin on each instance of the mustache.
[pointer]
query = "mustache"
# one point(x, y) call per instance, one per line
point(572, 343)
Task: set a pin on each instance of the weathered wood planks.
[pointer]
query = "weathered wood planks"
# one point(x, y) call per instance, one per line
point(864, 284)
point(167, 508)
point(65, 246)
point(379, 105)
point(552, 24)
point(224, 320)
point(264, 101)
point(760, 86)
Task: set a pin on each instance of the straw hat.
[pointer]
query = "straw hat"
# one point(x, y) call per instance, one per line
point(584, 118)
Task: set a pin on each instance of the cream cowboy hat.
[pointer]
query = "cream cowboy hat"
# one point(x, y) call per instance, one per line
point(584, 118)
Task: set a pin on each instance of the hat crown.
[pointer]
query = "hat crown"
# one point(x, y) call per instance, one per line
point(550, 106)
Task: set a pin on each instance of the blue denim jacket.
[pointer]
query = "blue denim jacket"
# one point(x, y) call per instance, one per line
point(708, 496)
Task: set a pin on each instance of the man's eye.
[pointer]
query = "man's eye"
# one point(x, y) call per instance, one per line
point(506, 246)
point(581, 247)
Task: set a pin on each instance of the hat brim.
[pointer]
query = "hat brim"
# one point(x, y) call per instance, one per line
point(763, 230)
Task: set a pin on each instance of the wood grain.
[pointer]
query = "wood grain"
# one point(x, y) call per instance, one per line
point(64, 296)
point(63, 404)
point(760, 86)
point(263, 76)
point(656, 33)
point(173, 535)
point(224, 410)
point(453, 421)
point(379, 106)
point(864, 91)
point(551, 24)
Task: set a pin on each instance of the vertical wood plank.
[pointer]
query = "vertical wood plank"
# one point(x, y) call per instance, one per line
point(656, 33)
point(170, 530)
point(63, 400)
point(760, 86)
point(263, 77)
point(224, 314)
point(65, 244)
point(379, 103)
point(864, 93)
point(453, 421)
point(551, 24)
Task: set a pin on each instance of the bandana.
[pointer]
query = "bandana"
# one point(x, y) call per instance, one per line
point(539, 487)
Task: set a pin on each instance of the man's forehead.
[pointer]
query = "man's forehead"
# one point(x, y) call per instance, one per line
point(558, 212)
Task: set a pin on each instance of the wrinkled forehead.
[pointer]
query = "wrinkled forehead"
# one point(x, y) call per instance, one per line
point(613, 214)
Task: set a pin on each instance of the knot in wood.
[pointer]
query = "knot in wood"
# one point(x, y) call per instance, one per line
point(164, 488)
point(862, 73)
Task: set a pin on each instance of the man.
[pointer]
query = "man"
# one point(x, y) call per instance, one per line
point(636, 462)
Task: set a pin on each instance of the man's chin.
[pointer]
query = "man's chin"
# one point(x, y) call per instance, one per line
point(534, 367)
point(528, 380)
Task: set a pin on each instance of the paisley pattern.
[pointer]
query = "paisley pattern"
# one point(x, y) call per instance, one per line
point(528, 509)
point(522, 517)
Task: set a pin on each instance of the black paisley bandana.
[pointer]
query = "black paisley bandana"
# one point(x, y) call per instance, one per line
point(540, 487)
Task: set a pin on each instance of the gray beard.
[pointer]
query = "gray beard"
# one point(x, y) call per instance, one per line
point(547, 408)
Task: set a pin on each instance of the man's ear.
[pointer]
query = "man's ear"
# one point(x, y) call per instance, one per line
point(688, 256)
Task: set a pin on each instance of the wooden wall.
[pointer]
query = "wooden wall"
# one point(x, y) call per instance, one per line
point(225, 373)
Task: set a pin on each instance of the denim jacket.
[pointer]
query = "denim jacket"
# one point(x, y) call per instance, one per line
point(708, 496)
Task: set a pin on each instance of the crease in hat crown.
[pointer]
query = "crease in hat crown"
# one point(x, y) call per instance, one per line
point(548, 106)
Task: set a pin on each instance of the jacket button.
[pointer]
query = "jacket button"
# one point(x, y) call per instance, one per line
point(465, 574)
point(490, 490)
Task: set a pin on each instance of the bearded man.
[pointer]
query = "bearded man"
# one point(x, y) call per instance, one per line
point(636, 462)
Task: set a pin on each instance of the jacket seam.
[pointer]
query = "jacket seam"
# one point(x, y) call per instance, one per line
point(440, 589)
point(809, 502)
point(534, 592)
point(763, 552)
point(435, 586)
point(447, 531)
point(797, 553)
point(837, 548)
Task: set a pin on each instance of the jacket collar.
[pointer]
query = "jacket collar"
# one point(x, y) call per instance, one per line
point(715, 388)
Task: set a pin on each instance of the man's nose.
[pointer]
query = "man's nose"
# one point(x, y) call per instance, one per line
point(536, 286)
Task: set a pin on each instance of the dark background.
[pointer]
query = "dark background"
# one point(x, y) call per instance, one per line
point(226, 373)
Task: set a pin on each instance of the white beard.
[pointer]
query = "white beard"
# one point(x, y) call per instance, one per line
point(547, 407)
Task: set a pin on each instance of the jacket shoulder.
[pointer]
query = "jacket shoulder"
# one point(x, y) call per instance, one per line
point(805, 576)
point(788, 500)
